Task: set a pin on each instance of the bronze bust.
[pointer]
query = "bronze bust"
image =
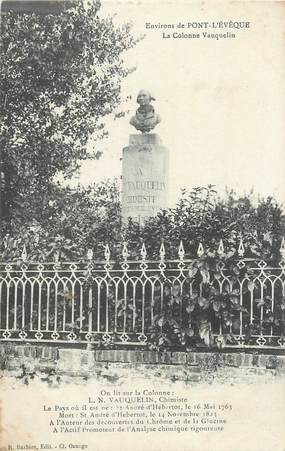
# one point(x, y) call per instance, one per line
point(145, 118)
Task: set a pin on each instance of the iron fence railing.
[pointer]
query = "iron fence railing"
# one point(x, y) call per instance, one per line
point(122, 303)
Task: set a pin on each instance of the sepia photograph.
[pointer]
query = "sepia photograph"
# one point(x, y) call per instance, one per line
point(142, 225)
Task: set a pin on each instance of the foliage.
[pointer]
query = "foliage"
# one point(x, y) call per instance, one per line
point(202, 216)
point(66, 223)
point(189, 320)
point(69, 221)
point(60, 76)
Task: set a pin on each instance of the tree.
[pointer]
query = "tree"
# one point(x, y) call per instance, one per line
point(60, 76)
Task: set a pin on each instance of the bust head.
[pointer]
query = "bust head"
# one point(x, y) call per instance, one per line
point(144, 97)
point(145, 118)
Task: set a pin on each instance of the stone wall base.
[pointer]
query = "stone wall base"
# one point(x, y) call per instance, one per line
point(15, 359)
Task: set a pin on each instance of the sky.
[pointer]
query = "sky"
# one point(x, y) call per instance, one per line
point(222, 102)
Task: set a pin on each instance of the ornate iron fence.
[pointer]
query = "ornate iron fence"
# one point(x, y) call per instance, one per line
point(124, 303)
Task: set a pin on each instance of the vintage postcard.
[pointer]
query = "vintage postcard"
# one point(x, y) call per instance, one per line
point(142, 225)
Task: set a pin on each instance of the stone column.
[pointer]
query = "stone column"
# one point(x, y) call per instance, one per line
point(144, 177)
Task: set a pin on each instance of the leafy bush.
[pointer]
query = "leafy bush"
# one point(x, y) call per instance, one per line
point(190, 320)
point(67, 222)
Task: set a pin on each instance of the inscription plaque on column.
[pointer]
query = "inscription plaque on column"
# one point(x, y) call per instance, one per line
point(144, 177)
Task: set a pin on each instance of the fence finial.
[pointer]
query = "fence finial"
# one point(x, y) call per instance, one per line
point(221, 249)
point(90, 254)
point(200, 250)
point(143, 252)
point(56, 256)
point(107, 253)
point(162, 251)
point(181, 251)
point(282, 249)
point(24, 253)
point(125, 252)
point(241, 248)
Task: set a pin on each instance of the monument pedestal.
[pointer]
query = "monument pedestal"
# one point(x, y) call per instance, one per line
point(144, 177)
